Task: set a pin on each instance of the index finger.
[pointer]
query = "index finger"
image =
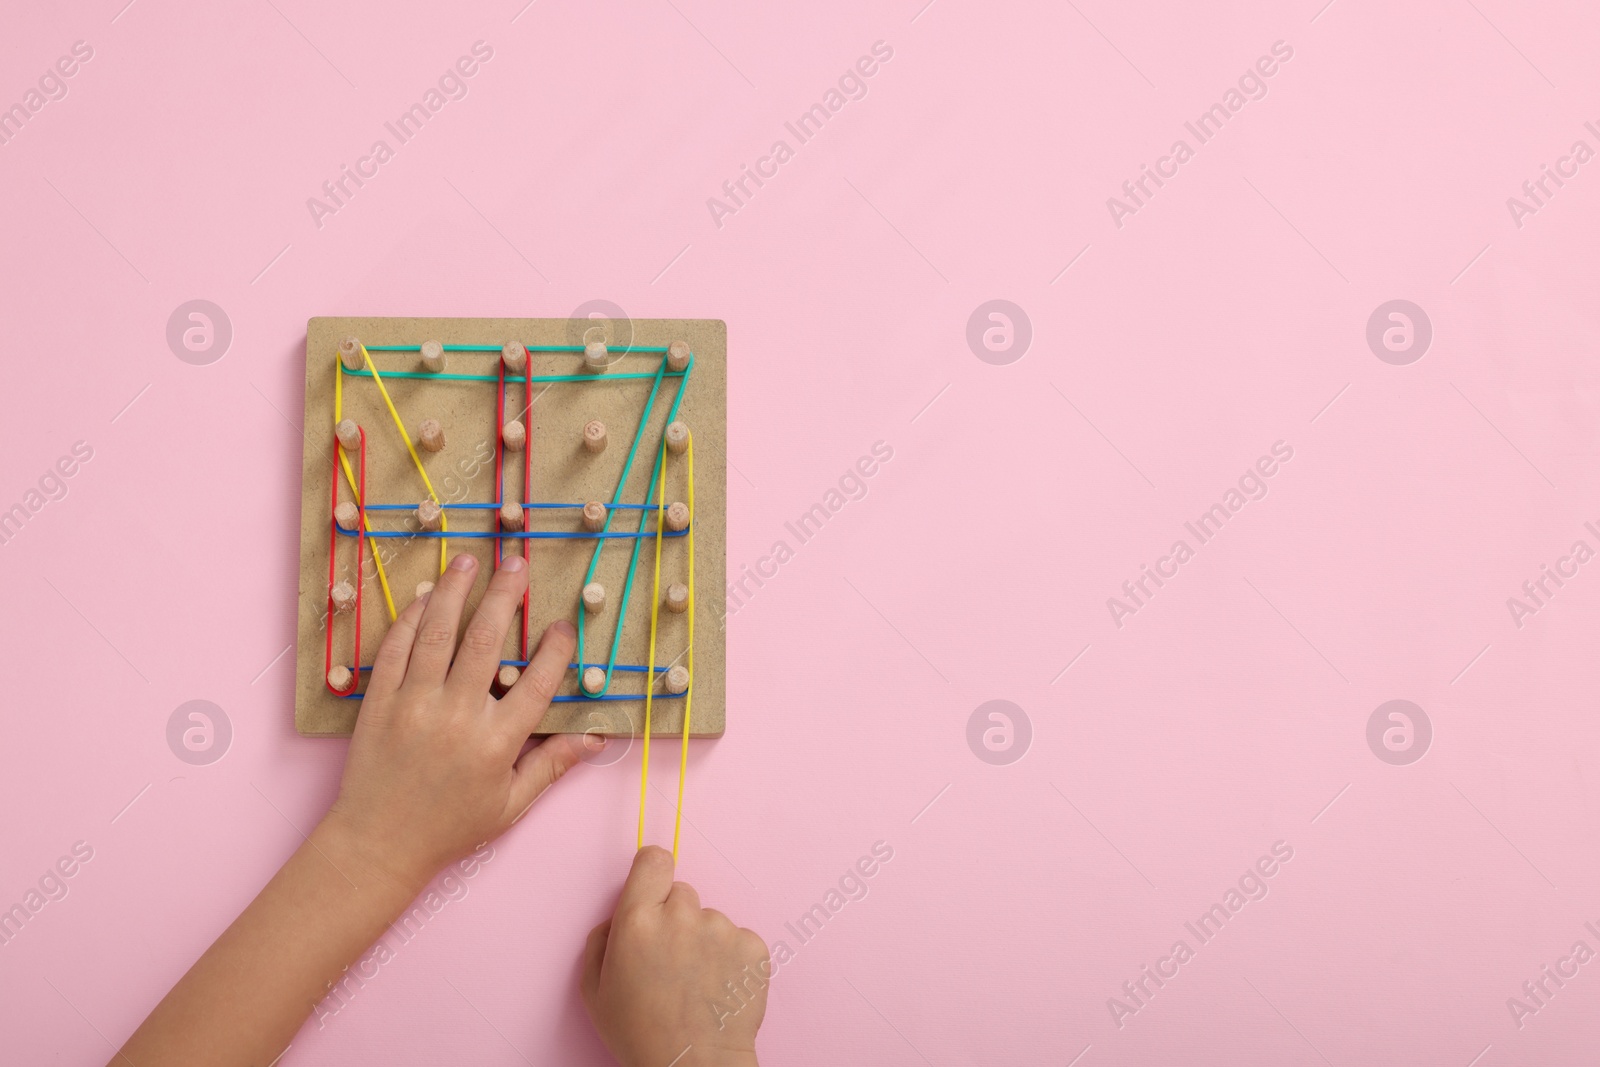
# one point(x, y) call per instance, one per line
point(649, 881)
point(483, 641)
point(435, 643)
point(538, 685)
point(389, 666)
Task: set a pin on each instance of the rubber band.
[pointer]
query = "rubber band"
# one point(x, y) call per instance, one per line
point(361, 500)
point(365, 530)
point(333, 558)
point(516, 535)
point(644, 350)
point(636, 668)
point(527, 495)
point(540, 506)
point(443, 376)
point(688, 694)
point(638, 542)
point(651, 669)
point(650, 682)
point(406, 437)
point(613, 698)
point(499, 457)
point(594, 561)
point(633, 563)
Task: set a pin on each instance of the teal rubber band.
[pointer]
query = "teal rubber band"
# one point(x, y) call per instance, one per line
point(633, 563)
point(658, 375)
point(443, 377)
point(654, 350)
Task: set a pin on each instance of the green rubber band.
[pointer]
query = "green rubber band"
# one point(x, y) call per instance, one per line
point(441, 376)
point(644, 513)
point(658, 375)
point(645, 349)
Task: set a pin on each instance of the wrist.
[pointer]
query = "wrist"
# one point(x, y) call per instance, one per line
point(699, 1056)
point(717, 1057)
point(361, 862)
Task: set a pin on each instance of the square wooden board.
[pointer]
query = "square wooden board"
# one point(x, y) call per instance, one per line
point(464, 472)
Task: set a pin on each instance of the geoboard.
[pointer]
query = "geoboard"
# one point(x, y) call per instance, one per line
point(402, 413)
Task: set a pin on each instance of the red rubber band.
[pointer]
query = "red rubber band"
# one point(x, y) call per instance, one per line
point(499, 457)
point(333, 548)
point(527, 494)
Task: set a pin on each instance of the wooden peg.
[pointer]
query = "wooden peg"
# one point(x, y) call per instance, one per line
point(430, 435)
point(515, 355)
point(350, 354)
point(423, 589)
point(678, 680)
point(594, 516)
point(511, 517)
point(430, 516)
point(678, 355)
point(594, 598)
point(677, 437)
point(594, 679)
point(595, 355)
point(514, 434)
point(344, 598)
point(339, 678)
point(349, 435)
point(432, 356)
point(347, 514)
point(677, 598)
point(507, 677)
point(677, 515)
point(594, 436)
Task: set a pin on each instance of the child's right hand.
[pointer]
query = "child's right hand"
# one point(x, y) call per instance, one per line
point(664, 977)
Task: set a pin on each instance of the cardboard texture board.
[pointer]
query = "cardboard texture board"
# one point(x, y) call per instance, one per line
point(562, 472)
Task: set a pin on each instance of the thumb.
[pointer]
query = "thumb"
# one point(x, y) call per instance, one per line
point(543, 765)
point(594, 954)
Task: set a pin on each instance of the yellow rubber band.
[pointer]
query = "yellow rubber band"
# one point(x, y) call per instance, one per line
point(650, 675)
point(650, 667)
point(355, 491)
point(444, 524)
point(688, 696)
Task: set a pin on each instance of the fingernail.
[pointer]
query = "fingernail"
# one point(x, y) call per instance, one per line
point(514, 564)
point(594, 742)
point(463, 562)
point(562, 626)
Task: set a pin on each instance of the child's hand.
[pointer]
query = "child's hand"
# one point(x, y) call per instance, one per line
point(433, 769)
point(664, 976)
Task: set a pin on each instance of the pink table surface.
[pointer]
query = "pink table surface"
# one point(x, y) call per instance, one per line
point(1155, 752)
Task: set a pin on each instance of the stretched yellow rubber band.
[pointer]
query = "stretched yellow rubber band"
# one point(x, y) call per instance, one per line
point(650, 674)
point(405, 436)
point(688, 696)
point(355, 491)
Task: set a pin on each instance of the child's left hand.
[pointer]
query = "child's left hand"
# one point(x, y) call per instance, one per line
point(433, 769)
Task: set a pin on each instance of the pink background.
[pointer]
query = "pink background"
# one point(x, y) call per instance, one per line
point(1166, 755)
